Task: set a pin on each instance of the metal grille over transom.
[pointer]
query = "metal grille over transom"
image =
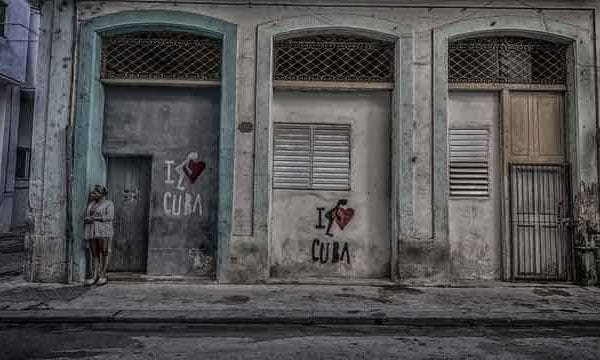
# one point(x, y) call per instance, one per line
point(509, 60)
point(310, 156)
point(334, 58)
point(469, 165)
point(161, 56)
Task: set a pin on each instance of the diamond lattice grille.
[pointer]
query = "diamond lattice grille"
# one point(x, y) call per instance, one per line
point(507, 60)
point(161, 55)
point(334, 58)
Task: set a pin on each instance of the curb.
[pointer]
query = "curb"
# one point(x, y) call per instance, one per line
point(176, 317)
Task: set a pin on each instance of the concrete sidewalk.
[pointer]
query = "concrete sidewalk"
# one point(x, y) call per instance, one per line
point(175, 303)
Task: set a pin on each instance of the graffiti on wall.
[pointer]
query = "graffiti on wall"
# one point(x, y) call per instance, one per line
point(190, 168)
point(180, 202)
point(320, 252)
point(340, 214)
point(335, 251)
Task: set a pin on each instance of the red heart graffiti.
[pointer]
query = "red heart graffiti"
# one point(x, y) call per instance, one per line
point(194, 169)
point(343, 216)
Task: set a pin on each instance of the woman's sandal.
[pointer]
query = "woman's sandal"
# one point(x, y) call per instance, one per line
point(102, 281)
point(90, 281)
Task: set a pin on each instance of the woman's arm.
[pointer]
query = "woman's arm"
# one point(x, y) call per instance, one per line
point(87, 218)
point(109, 212)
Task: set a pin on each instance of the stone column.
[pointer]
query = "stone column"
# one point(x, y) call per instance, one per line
point(47, 242)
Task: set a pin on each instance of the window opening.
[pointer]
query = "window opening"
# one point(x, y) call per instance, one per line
point(469, 162)
point(2, 19)
point(23, 161)
point(334, 58)
point(311, 156)
point(509, 60)
point(161, 56)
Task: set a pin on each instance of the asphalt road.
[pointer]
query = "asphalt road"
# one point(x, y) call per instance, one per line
point(296, 342)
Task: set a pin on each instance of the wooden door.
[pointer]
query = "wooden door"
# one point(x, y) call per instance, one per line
point(534, 132)
point(129, 189)
point(538, 178)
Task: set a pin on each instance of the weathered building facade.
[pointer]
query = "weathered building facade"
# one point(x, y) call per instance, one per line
point(19, 21)
point(339, 141)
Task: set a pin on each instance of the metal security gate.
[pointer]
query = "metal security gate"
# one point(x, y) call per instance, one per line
point(540, 211)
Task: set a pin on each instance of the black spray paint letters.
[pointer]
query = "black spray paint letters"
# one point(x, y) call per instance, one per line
point(320, 218)
point(321, 251)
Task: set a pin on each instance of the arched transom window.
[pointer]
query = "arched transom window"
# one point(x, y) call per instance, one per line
point(335, 58)
point(161, 55)
point(507, 60)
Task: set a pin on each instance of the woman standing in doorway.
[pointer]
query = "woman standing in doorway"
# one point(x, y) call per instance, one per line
point(99, 216)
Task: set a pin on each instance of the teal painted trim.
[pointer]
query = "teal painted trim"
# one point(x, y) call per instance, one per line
point(89, 165)
point(580, 109)
point(401, 204)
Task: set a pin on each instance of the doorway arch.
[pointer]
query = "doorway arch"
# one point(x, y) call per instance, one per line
point(89, 166)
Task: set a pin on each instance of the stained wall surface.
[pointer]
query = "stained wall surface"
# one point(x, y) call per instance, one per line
point(169, 125)
point(300, 246)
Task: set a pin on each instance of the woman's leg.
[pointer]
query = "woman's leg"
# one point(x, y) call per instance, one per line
point(104, 245)
point(95, 259)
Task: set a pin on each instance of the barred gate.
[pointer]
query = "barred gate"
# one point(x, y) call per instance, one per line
point(540, 211)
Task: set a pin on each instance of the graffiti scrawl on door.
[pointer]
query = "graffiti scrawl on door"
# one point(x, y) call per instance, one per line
point(181, 201)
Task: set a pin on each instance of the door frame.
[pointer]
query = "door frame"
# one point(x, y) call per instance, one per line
point(580, 104)
point(401, 142)
point(89, 164)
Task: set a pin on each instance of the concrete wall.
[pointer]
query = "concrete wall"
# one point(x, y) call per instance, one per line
point(295, 219)
point(48, 243)
point(424, 249)
point(475, 223)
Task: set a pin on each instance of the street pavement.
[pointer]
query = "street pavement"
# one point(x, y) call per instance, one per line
point(281, 342)
point(130, 302)
point(171, 320)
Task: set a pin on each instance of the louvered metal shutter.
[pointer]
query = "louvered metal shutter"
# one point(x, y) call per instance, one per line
point(469, 162)
point(310, 156)
point(331, 157)
point(292, 157)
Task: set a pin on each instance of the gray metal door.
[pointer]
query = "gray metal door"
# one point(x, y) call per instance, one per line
point(129, 189)
point(539, 216)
